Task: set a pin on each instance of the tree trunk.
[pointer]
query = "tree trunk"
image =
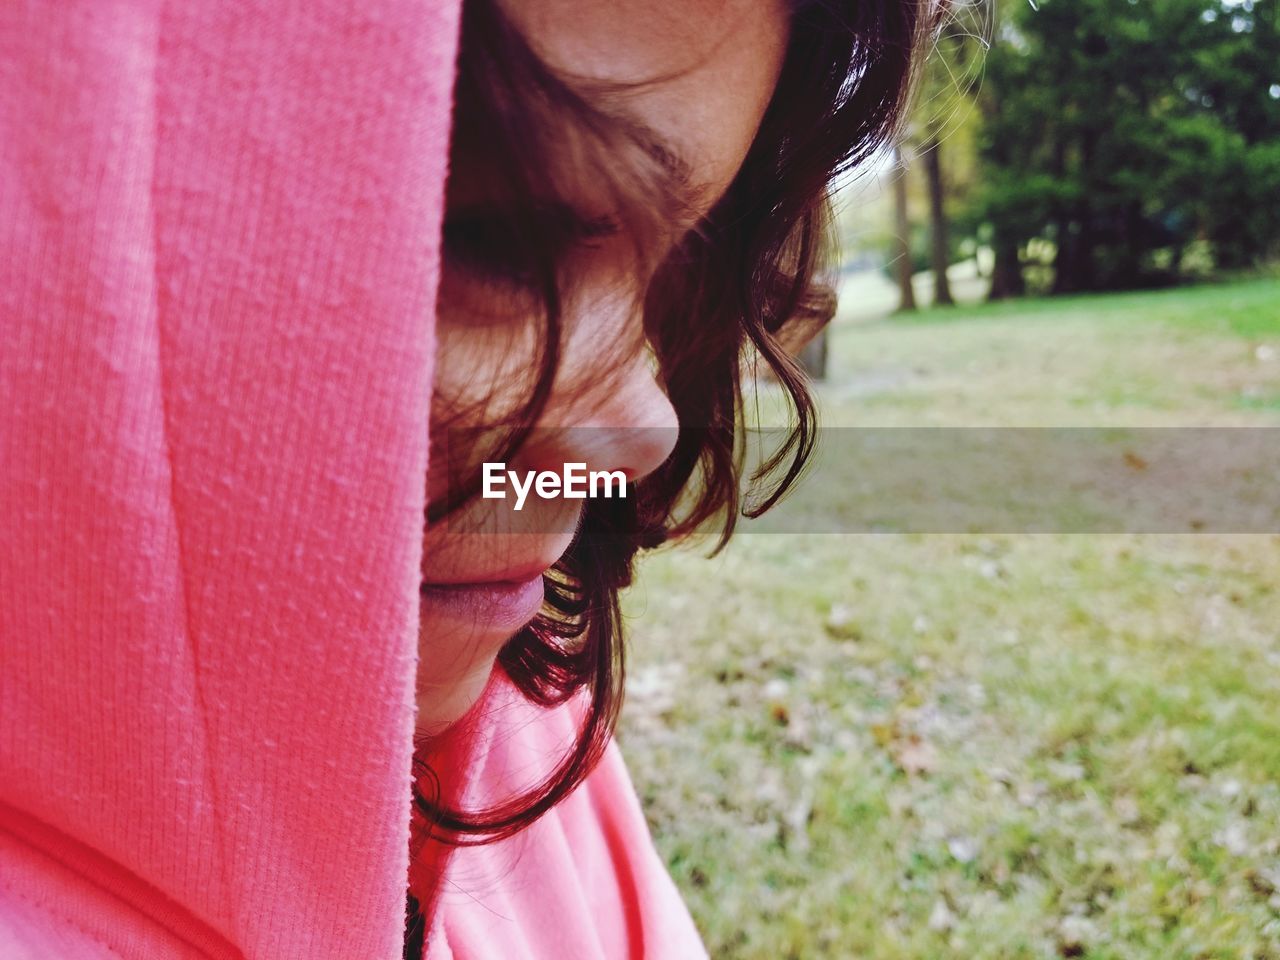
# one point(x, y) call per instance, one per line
point(902, 255)
point(1085, 254)
point(938, 248)
point(1128, 268)
point(1065, 278)
point(1006, 273)
point(813, 357)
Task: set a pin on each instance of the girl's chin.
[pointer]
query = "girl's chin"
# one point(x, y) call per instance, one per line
point(440, 706)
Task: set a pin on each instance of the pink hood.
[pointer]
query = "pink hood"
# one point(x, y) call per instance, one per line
point(218, 260)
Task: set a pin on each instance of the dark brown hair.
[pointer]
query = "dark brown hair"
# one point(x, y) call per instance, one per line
point(720, 295)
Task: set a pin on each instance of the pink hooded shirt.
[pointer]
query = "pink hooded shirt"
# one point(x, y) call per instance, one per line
point(219, 229)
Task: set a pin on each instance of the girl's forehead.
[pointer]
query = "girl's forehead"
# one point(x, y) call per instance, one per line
point(699, 73)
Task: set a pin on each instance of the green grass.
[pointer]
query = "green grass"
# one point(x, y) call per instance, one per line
point(922, 746)
point(1245, 308)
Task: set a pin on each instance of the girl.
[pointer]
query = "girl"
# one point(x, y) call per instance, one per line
point(220, 227)
point(635, 203)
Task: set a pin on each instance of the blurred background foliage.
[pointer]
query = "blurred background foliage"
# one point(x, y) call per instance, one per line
point(1082, 145)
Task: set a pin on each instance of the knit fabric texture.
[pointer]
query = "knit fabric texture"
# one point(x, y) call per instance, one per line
point(219, 227)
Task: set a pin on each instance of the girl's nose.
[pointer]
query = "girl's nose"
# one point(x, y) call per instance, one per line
point(623, 421)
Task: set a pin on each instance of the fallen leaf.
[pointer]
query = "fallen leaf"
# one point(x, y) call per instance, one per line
point(915, 756)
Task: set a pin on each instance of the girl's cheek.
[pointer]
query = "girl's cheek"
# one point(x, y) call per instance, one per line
point(484, 303)
point(483, 365)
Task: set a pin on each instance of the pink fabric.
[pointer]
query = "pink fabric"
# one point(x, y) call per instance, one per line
point(583, 883)
point(219, 229)
point(218, 253)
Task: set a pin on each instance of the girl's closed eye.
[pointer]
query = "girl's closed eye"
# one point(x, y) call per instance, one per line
point(484, 248)
point(509, 255)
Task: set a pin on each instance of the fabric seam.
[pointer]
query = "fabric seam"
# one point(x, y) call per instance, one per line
point(166, 446)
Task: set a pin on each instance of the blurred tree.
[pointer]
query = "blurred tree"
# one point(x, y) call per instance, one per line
point(943, 113)
point(939, 252)
point(1120, 131)
point(902, 224)
point(1237, 83)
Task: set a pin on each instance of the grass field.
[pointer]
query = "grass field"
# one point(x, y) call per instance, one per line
point(983, 746)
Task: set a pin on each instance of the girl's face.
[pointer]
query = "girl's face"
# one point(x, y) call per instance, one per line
point(697, 76)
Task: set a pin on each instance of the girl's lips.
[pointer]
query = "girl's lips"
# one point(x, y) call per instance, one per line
point(505, 604)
